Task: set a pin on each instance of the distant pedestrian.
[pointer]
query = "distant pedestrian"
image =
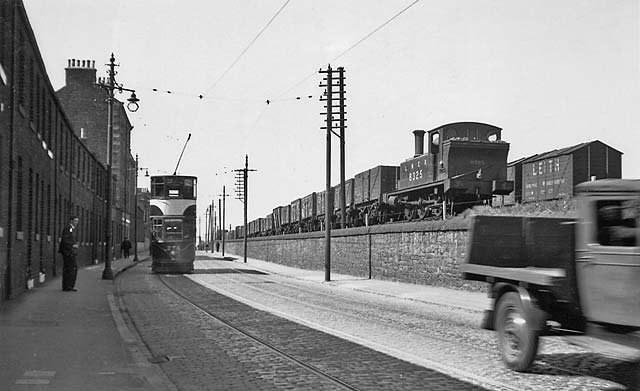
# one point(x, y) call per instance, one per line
point(125, 247)
point(69, 250)
point(217, 246)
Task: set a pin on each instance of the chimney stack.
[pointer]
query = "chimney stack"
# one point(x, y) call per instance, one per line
point(419, 141)
point(80, 72)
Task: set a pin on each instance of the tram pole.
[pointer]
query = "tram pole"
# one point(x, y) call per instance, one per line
point(220, 219)
point(107, 273)
point(111, 86)
point(135, 216)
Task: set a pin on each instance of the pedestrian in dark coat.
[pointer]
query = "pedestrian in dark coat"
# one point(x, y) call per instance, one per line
point(69, 250)
point(125, 247)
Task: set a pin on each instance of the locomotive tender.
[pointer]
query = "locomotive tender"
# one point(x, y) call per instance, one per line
point(465, 165)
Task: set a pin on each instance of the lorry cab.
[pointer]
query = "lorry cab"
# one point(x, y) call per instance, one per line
point(608, 252)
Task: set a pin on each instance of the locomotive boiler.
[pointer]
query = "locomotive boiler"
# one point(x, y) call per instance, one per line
point(465, 165)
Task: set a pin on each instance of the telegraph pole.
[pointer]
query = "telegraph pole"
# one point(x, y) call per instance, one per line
point(207, 224)
point(341, 122)
point(224, 197)
point(242, 187)
point(329, 82)
point(213, 225)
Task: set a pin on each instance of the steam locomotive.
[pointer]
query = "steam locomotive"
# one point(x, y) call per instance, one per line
point(465, 165)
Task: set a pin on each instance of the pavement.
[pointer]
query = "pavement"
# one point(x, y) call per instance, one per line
point(474, 301)
point(55, 340)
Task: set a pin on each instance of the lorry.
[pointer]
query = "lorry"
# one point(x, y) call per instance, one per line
point(577, 276)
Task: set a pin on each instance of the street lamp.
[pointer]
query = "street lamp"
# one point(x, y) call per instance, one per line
point(135, 213)
point(111, 86)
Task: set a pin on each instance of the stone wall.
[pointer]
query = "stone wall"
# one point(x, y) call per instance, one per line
point(426, 253)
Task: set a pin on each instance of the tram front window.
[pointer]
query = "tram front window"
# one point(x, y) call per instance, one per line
point(173, 229)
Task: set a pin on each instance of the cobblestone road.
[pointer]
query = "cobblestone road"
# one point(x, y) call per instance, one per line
point(426, 346)
point(200, 353)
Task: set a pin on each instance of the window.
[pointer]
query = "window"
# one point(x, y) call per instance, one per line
point(156, 228)
point(173, 229)
point(617, 222)
point(157, 187)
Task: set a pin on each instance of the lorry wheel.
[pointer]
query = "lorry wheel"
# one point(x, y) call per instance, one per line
point(517, 339)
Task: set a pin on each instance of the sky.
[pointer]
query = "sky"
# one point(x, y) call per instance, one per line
point(551, 74)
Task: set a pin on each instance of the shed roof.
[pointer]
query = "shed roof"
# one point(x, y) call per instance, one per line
point(560, 152)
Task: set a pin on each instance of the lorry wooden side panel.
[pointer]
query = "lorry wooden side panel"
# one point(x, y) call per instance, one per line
point(542, 247)
point(515, 241)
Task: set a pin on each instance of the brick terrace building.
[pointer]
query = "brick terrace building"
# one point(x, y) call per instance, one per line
point(85, 103)
point(47, 173)
point(52, 160)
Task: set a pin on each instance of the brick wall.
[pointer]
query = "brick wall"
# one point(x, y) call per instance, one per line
point(426, 253)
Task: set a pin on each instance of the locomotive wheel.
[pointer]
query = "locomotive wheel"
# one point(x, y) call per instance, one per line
point(408, 214)
point(436, 211)
point(517, 339)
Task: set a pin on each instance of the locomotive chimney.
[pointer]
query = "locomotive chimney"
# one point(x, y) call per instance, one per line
point(419, 140)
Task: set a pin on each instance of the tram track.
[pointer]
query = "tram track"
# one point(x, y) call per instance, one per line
point(463, 374)
point(290, 358)
point(428, 363)
point(344, 313)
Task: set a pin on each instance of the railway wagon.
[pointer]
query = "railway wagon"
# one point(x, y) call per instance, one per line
point(465, 165)
point(239, 230)
point(254, 228)
point(308, 212)
point(281, 219)
point(268, 225)
point(369, 190)
point(348, 200)
point(296, 217)
point(173, 223)
point(321, 203)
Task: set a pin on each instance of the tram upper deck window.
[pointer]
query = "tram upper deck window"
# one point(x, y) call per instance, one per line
point(173, 187)
point(157, 187)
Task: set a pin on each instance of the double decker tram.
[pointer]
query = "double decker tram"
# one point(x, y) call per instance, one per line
point(173, 223)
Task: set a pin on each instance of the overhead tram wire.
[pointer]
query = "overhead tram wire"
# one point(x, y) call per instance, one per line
point(314, 73)
point(279, 98)
point(248, 46)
